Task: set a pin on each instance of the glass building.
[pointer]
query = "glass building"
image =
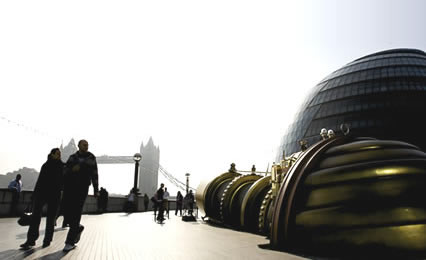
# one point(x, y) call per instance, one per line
point(382, 95)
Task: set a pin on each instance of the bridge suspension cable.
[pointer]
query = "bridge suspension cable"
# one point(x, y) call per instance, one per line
point(181, 185)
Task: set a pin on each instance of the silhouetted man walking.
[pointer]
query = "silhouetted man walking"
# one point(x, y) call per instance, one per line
point(102, 200)
point(81, 171)
point(160, 193)
point(15, 186)
point(145, 201)
point(179, 202)
point(166, 196)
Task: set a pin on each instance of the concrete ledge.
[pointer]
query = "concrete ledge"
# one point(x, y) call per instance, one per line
point(115, 204)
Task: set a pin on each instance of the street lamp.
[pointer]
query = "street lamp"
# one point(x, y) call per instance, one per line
point(187, 182)
point(137, 157)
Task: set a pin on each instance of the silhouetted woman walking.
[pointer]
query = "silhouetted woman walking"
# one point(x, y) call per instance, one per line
point(47, 191)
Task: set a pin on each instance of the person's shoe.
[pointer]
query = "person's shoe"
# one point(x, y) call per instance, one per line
point(80, 230)
point(46, 244)
point(27, 245)
point(68, 247)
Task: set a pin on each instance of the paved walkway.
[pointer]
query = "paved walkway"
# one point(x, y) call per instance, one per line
point(116, 236)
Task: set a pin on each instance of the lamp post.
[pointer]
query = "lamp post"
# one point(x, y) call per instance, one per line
point(187, 182)
point(137, 157)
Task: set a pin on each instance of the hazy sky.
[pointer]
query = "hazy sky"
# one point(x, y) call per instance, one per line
point(213, 82)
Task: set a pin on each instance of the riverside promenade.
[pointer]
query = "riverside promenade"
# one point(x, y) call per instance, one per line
point(115, 236)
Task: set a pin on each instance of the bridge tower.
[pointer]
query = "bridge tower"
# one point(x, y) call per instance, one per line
point(69, 149)
point(148, 171)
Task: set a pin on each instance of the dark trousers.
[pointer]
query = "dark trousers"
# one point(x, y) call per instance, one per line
point(14, 204)
point(130, 206)
point(166, 206)
point(104, 205)
point(191, 207)
point(61, 212)
point(160, 216)
point(52, 201)
point(74, 199)
point(178, 208)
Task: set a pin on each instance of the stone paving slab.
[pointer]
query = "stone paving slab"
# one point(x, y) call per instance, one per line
point(116, 236)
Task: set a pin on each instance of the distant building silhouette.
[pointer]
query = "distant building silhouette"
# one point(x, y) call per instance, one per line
point(148, 172)
point(69, 149)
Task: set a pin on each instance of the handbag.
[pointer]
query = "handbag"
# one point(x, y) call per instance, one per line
point(25, 218)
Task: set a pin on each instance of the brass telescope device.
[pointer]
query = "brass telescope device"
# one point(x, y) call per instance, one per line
point(343, 194)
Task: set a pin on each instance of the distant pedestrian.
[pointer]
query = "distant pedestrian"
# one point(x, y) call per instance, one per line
point(179, 202)
point(145, 201)
point(160, 194)
point(130, 204)
point(189, 199)
point(15, 187)
point(155, 205)
point(166, 197)
point(81, 171)
point(47, 191)
point(102, 200)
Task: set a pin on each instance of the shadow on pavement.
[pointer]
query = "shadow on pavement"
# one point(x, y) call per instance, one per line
point(16, 253)
point(56, 255)
point(41, 234)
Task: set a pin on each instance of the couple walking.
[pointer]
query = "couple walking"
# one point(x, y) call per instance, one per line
point(74, 178)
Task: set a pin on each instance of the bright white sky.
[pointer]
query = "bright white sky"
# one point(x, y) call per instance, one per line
point(213, 82)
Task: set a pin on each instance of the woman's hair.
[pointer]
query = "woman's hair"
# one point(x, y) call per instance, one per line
point(52, 152)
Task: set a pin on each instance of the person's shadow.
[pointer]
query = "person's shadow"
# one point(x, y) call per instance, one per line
point(16, 253)
point(41, 234)
point(56, 255)
point(22, 254)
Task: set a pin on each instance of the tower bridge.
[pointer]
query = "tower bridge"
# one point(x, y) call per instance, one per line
point(106, 159)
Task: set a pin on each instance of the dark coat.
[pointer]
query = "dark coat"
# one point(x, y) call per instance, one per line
point(179, 198)
point(50, 180)
point(88, 173)
point(160, 194)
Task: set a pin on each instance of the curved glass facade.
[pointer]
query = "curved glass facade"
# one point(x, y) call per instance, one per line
point(381, 95)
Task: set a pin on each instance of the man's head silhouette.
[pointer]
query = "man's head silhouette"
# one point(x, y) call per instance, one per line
point(83, 146)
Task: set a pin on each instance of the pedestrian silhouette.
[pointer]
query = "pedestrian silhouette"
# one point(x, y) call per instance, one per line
point(81, 171)
point(179, 202)
point(155, 205)
point(189, 201)
point(160, 194)
point(47, 191)
point(15, 187)
point(102, 200)
point(166, 197)
point(145, 201)
point(130, 203)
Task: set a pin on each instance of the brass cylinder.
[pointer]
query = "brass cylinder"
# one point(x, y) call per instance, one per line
point(209, 195)
point(347, 195)
point(233, 197)
point(266, 212)
point(250, 208)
